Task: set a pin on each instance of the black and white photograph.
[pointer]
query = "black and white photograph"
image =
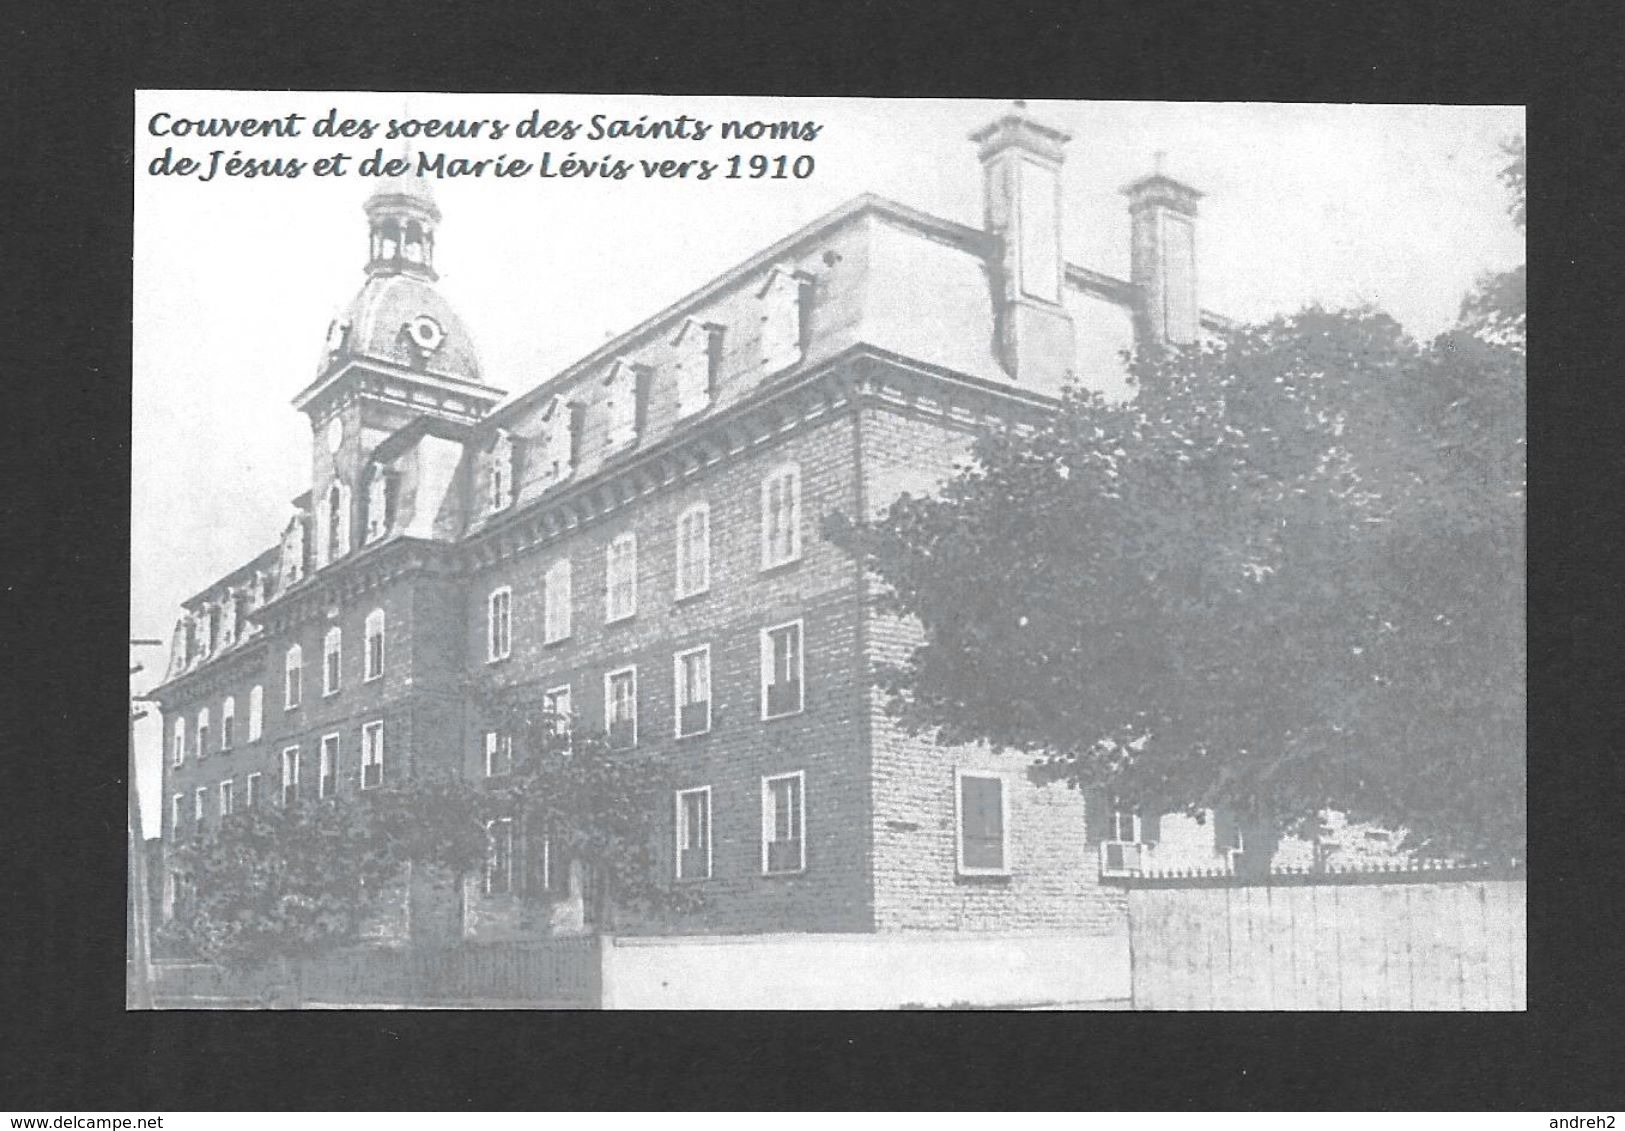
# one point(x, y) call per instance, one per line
point(742, 553)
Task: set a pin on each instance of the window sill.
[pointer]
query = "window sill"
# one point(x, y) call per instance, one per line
point(556, 641)
point(692, 733)
point(982, 875)
point(690, 879)
point(498, 659)
point(374, 678)
point(774, 567)
point(688, 598)
point(785, 873)
point(330, 694)
point(624, 618)
point(801, 710)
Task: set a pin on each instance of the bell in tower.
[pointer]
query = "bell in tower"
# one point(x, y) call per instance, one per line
point(401, 220)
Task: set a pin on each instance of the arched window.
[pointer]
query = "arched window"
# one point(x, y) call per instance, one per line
point(332, 647)
point(228, 723)
point(338, 523)
point(377, 503)
point(414, 242)
point(256, 712)
point(375, 644)
point(293, 675)
point(203, 733)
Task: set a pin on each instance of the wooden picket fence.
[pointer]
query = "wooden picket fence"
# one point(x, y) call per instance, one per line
point(1417, 940)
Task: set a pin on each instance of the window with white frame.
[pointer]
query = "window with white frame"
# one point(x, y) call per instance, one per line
point(256, 712)
point(337, 522)
point(293, 677)
point(228, 723)
point(498, 753)
point(178, 742)
point(694, 833)
point(372, 755)
point(621, 578)
point(556, 602)
point(781, 670)
point(228, 798)
point(694, 551)
point(621, 707)
point(374, 639)
point(327, 770)
point(692, 678)
point(982, 804)
point(499, 625)
point(377, 502)
point(499, 856)
point(177, 813)
point(555, 445)
point(203, 733)
point(332, 669)
point(251, 796)
point(200, 798)
point(781, 517)
point(556, 706)
point(784, 823)
point(290, 776)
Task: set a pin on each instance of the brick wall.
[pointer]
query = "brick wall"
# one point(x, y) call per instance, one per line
point(823, 741)
point(1053, 880)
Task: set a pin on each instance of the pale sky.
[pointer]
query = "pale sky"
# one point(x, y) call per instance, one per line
point(236, 279)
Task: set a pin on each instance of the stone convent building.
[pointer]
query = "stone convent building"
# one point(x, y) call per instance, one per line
point(636, 539)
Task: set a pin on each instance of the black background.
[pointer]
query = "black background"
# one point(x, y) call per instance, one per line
point(65, 246)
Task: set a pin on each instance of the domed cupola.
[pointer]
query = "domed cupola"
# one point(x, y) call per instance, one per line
point(401, 218)
point(399, 317)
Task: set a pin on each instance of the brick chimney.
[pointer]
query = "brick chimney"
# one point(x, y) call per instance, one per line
point(1162, 218)
point(1021, 179)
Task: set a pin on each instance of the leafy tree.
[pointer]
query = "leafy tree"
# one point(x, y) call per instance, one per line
point(1287, 576)
point(270, 884)
point(605, 809)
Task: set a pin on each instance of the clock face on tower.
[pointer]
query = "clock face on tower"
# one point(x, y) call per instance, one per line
point(335, 434)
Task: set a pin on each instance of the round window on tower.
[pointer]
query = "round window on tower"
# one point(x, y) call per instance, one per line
point(427, 334)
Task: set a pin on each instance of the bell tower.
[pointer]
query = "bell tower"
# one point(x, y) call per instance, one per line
point(401, 220)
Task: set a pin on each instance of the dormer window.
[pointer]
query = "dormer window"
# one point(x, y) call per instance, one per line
point(230, 608)
point(337, 516)
point(782, 297)
point(696, 365)
point(500, 478)
point(623, 406)
point(555, 447)
point(293, 562)
point(378, 501)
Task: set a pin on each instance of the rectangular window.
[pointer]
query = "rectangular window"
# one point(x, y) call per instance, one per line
point(203, 733)
point(293, 672)
point(621, 707)
point(290, 776)
point(372, 755)
point(784, 819)
point(781, 670)
point(178, 751)
point(228, 723)
point(200, 798)
point(499, 625)
point(331, 670)
point(694, 833)
point(177, 813)
point(556, 602)
point(327, 781)
point(498, 753)
point(621, 578)
point(556, 705)
point(252, 797)
point(228, 798)
point(694, 551)
point(375, 645)
point(982, 802)
point(546, 874)
point(499, 856)
point(692, 679)
point(781, 517)
point(256, 713)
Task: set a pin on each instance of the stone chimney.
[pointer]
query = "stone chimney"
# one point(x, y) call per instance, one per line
point(1162, 218)
point(1021, 179)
